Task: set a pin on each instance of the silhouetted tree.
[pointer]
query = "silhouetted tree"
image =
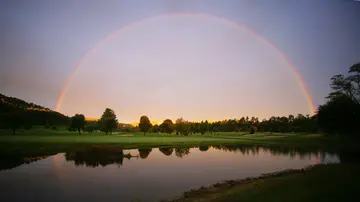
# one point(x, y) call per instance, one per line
point(144, 124)
point(182, 127)
point(108, 121)
point(155, 129)
point(341, 113)
point(252, 130)
point(203, 127)
point(15, 119)
point(167, 126)
point(91, 126)
point(347, 85)
point(78, 122)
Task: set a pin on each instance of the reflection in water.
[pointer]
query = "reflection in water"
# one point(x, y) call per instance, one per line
point(162, 175)
point(104, 155)
point(144, 153)
point(95, 156)
point(274, 151)
point(13, 162)
point(166, 151)
point(203, 148)
point(181, 152)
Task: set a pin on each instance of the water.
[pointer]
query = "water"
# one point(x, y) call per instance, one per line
point(149, 175)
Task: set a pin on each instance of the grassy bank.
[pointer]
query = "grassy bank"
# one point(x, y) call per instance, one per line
point(44, 142)
point(320, 183)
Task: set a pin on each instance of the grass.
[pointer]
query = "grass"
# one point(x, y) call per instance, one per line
point(337, 182)
point(39, 141)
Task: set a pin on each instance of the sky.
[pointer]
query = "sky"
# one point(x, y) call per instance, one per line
point(185, 63)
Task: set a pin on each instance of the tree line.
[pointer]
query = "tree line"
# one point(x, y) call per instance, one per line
point(339, 115)
point(108, 123)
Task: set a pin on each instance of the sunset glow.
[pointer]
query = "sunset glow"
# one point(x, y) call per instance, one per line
point(121, 36)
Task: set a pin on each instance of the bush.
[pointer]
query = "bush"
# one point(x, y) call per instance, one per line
point(252, 130)
point(53, 128)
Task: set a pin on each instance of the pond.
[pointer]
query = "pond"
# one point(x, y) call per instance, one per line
point(103, 174)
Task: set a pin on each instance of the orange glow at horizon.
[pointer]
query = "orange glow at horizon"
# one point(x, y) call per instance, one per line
point(241, 28)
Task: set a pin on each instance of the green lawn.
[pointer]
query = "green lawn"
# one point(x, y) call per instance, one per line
point(322, 183)
point(39, 141)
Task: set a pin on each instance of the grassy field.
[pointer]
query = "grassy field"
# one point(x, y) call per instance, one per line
point(321, 183)
point(39, 141)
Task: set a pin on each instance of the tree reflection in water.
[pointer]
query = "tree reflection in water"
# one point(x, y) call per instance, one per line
point(166, 151)
point(144, 153)
point(203, 148)
point(275, 151)
point(96, 156)
point(182, 151)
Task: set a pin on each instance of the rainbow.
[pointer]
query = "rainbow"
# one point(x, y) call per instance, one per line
point(299, 79)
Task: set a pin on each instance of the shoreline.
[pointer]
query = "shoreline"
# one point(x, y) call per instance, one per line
point(219, 186)
point(258, 188)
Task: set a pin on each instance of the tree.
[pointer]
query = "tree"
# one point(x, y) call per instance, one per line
point(167, 126)
point(182, 127)
point(78, 122)
point(14, 119)
point(144, 124)
point(347, 85)
point(252, 129)
point(91, 126)
point(341, 113)
point(108, 121)
point(203, 127)
point(155, 129)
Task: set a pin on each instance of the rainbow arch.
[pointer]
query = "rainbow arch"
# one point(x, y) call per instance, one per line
point(300, 81)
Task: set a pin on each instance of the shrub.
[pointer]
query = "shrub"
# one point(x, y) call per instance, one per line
point(252, 130)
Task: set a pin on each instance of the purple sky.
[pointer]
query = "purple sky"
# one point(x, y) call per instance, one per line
point(175, 66)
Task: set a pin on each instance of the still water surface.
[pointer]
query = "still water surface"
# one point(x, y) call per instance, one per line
point(150, 175)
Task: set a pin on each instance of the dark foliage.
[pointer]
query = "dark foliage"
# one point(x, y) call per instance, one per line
point(15, 113)
point(341, 113)
point(144, 153)
point(78, 122)
point(108, 121)
point(144, 124)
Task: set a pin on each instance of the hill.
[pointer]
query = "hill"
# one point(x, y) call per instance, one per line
point(29, 113)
